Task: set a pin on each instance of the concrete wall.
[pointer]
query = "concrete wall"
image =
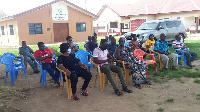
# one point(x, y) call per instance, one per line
point(7, 39)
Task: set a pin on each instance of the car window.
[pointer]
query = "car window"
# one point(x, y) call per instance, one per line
point(148, 26)
point(163, 24)
point(170, 24)
point(177, 23)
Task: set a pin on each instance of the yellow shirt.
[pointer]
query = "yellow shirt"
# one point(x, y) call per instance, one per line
point(150, 43)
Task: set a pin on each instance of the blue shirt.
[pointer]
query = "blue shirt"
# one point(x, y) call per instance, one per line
point(112, 48)
point(160, 46)
point(26, 52)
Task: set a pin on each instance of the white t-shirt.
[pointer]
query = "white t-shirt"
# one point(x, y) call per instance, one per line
point(101, 55)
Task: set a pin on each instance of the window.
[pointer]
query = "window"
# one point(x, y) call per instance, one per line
point(11, 30)
point(2, 30)
point(170, 24)
point(80, 27)
point(163, 25)
point(113, 25)
point(177, 23)
point(35, 28)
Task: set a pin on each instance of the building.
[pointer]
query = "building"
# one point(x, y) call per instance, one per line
point(51, 22)
point(128, 17)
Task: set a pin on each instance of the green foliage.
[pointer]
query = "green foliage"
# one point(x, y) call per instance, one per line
point(160, 109)
point(197, 81)
point(171, 100)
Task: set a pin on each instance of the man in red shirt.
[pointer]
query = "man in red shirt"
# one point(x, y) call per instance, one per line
point(44, 56)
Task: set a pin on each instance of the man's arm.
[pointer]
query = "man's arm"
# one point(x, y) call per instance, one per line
point(83, 65)
point(87, 47)
point(21, 50)
point(64, 69)
point(38, 58)
point(30, 50)
point(118, 55)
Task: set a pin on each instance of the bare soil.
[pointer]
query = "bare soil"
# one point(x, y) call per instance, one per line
point(30, 96)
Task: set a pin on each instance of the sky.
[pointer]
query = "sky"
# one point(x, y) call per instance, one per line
point(11, 7)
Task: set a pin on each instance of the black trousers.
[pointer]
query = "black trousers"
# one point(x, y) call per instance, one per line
point(74, 79)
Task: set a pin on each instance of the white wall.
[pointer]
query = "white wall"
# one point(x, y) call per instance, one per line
point(105, 17)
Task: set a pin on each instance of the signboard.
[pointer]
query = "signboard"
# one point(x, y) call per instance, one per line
point(59, 12)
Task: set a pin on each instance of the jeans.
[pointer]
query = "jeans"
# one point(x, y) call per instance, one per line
point(108, 69)
point(190, 56)
point(74, 79)
point(166, 58)
point(30, 59)
point(48, 67)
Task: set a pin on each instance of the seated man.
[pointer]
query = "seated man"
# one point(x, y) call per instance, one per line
point(161, 46)
point(90, 46)
point(112, 47)
point(44, 56)
point(72, 66)
point(27, 52)
point(190, 55)
point(102, 57)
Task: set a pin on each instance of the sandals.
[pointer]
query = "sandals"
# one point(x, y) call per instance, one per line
point(127, 90)
point(147, 82)
point(118, 93)
point(84, 93)
point(138, 86)
point(58, 84)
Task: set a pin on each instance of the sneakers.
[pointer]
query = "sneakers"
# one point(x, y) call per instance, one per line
point(75, 97)
point(36, 71)
point(84, 93)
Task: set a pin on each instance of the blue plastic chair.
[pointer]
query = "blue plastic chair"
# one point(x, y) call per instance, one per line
point(43, 74)
point(83, 56)
point(126, 44)
point(11, 66)
point(178, 51)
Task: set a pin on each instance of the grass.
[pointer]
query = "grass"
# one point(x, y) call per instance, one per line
point(197, 81)
point(160, 109)
point(170, 100)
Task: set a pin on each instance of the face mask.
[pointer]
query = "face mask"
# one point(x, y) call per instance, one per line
point(69, 51)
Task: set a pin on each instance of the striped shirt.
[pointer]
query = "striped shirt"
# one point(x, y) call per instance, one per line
point(178, 44)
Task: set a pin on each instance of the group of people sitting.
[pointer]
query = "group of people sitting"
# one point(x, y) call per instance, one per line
point(104, 55)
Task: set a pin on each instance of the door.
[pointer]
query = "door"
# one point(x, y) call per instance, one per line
point(170, 30)
point(61, 31)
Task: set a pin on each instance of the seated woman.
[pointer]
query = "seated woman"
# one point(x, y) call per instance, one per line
point(150, 42)
point(134, 64)
point(73, 46)
point(72, 66)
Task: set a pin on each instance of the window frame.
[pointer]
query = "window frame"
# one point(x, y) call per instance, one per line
point(35, 28)
point(2, 31)
point(81, 30)
point(12, 30)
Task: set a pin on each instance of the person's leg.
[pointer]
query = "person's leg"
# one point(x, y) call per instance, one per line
point(57, 72)
point(194, 55)
point(187, 55)
point(29, 60)
point(106, 70)
point(165, 60)
point(87, 76)
point(74, 79)
point(120, 73)
point(47, 67)
point(174, 58)
point(35, 64)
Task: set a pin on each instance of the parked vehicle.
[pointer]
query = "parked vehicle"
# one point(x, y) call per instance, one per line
point(170, 27)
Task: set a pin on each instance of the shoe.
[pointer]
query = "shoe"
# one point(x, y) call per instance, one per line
point(138, 86)
point(127, 90)
point(118, 93)
point(148, 82)
point(84, 93)
point(174, 68)
point(75, 98)
point(36, 71)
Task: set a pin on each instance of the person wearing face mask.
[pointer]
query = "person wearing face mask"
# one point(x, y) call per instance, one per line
point(72, 66)
point(44, 56)
point(101, 57)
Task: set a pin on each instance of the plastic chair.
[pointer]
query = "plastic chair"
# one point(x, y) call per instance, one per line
point(178, 51)
point(68, 84)
point(102, 76)
point(126, 44)
point(84, 56)
point(138, 53)
point(126, 71)
point(13, 65)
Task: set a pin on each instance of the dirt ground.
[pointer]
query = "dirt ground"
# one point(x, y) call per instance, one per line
point(30, 96)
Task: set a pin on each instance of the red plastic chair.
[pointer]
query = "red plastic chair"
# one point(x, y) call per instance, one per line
point(138, 53)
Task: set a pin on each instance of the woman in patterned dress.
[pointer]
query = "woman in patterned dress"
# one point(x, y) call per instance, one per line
point(135, 65)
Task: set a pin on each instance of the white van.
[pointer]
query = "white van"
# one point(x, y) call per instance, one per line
point(170, 27)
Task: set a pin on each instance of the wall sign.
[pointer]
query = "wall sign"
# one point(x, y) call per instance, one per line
point(59, 12)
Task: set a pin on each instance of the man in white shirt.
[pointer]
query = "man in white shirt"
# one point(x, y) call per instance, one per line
point(190, 55)
point(101, 56)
